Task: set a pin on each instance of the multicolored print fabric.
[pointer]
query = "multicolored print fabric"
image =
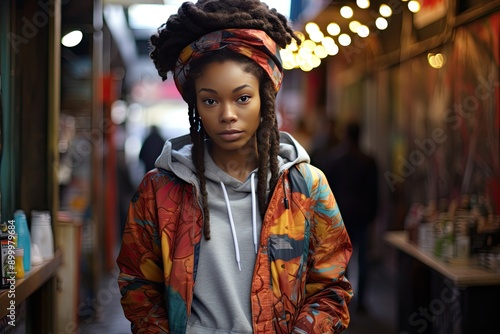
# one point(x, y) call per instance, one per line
point(298, 286)
point(254, 44)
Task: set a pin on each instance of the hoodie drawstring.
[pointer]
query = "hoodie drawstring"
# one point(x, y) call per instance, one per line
point(231, 221)
point(254, 212)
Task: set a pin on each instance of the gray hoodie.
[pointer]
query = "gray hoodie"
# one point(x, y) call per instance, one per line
point(221, 302)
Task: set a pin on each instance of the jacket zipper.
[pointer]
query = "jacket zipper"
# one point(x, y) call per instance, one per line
point(285, 199)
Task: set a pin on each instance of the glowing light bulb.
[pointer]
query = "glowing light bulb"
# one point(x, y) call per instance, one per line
point(333, 29)
point(363, 31)
point(363, 4)
point(414, 6)
point(314, 61)
point(317, 36)
point(330, 46)
point(381, 23)
point(354, 25)
point(385, 10)
point(344, 39)
point(72, 39)
point(346, 12)
point(320, 51)
point(311, 27)
point(308, 44)
point(300, 35)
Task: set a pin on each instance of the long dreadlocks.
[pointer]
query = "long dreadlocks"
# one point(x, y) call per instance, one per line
point(190, 23)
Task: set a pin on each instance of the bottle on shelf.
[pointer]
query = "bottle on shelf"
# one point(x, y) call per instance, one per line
point(23, 237)
point(462, 236)
point(426, 229)
point(448, 241)
point(19, 266)
point(412, 222)
point(41, 231)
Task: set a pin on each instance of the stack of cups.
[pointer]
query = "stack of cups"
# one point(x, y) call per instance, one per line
point(41, 233)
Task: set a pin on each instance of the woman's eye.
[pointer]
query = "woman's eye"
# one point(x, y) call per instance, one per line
point(209, 102)
point(244, 98)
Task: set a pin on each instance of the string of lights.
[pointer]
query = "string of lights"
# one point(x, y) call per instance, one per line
point(318, 44)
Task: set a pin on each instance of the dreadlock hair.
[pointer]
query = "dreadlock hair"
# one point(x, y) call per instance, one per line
point(190, 23)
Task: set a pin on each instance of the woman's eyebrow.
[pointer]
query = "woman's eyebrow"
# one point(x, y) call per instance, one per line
point(240, 88)
point(213, 91)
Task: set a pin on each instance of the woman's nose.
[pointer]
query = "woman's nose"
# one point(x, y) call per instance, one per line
point(228, 114)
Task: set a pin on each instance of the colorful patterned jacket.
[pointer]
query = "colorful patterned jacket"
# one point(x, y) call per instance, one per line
point(298, 284)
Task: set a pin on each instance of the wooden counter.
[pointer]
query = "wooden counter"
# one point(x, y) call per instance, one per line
point(437, 297)
point(466, 273)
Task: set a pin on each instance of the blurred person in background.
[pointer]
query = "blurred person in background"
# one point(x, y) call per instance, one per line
point(323, 141)
point(151, 148)
point(352, 175)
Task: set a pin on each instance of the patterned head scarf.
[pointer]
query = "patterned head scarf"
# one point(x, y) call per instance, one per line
point(254, 44)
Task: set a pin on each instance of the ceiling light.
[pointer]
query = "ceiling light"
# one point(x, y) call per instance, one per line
point(305, 67)
point(314, 61)
point(363, 4)
point(293, 46)
point(288, 64)
point(363, 31)
point(330, 46)
point(320, 51)
point(311, 27)
point(385, 10)
point(72, 39)
point(287, 58)
point(414, 6)
point(327, 42)
point(308, 45)
point(333, 29)
point(381, 23)
point(354, 25)
point(344, 39)
point(317, 36)
point(436, 60)
point(304, 53)
point(300, 35)
point(333, 50)
point(346, 12)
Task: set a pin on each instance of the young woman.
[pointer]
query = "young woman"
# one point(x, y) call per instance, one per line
point(234, 231)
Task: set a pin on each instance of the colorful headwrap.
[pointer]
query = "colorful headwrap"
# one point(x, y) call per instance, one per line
point(254, 44)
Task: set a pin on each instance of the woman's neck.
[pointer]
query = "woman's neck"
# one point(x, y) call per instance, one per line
point(239, 163)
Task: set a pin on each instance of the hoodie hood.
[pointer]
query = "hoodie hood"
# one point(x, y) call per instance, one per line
point(176, 157)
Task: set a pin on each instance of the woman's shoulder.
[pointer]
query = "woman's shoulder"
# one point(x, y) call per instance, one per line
point(159, 178)
point(309, 171)
point(158, 175)
point(310, 180)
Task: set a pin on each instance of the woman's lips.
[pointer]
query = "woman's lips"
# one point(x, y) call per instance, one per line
point(230, 135)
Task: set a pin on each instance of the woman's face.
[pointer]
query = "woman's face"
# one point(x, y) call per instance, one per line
point(228, 102)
